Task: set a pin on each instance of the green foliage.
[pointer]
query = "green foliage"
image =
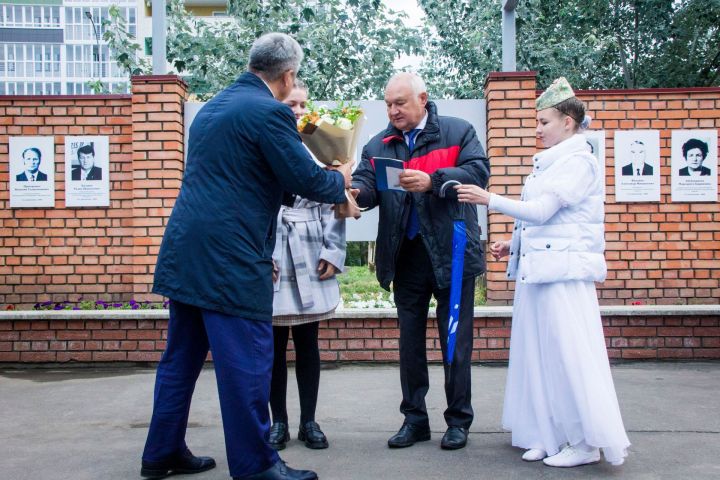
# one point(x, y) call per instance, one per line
point(349, 45)
point(356, 254)
point(359, 288)
point(82, 304)
point(463, 44)
point(599, 44)
point(123, 45)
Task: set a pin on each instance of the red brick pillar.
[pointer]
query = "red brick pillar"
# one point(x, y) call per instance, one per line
point(511, 144)
point(158, 163)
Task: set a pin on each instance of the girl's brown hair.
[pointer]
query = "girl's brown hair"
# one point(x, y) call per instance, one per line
point(573, 108)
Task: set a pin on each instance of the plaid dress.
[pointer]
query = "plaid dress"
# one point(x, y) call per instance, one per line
point(306, 234)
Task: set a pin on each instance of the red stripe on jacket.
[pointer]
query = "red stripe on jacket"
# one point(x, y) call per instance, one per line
point(431, 161)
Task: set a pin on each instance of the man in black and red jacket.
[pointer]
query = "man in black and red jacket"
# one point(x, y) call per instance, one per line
point(414, 246)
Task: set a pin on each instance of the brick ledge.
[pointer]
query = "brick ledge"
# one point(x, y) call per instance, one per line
point(349, 313)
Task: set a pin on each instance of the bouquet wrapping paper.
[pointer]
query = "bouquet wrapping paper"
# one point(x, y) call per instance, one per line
point(332, 134)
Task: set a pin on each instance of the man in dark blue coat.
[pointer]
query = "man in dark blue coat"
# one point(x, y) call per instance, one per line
point(215, 264)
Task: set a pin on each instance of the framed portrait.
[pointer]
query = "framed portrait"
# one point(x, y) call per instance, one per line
point(32, 172)
point(87, 172)
point(596, 144)
point(694, 166)
point(637, 166)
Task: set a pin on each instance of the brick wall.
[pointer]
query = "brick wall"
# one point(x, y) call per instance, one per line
point(657, 253)
point(67, 252)
point(127, 337)
point(96, 253)
point(158, 161)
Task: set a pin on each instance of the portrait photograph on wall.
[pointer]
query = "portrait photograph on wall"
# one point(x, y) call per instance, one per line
point(637, 166)
point(694, 166)
point(87, 161)
point(596, 145)
point(32, 171)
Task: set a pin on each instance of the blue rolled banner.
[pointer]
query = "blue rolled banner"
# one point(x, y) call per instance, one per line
point(456, 279)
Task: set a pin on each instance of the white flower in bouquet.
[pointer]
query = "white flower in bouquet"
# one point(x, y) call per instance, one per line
point(331, 134)
point(327, 118)
point(344, 123)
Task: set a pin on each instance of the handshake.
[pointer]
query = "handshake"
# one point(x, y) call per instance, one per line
point(350, 208)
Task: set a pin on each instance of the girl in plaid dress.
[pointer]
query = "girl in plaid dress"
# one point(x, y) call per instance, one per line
point(309, 252)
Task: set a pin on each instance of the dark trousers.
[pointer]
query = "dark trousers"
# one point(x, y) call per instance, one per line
point(307, 371)
point(414, 284)
point(242, 353)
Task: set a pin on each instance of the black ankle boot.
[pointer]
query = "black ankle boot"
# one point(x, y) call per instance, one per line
point(279, 435)
point(313, 437)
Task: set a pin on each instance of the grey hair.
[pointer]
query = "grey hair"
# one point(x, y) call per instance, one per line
point(416, 82)
point(273, 54)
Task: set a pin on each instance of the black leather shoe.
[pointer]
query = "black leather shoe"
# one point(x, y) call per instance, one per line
point(184, 463)
point(279, 435)
point(280, 471)
point(313, 437)
point(454, 438)
point(408, 435)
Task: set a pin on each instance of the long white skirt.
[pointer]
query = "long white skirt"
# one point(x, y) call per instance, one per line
point(559, 386)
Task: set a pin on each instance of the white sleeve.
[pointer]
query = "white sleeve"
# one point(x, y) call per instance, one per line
point(536, 211)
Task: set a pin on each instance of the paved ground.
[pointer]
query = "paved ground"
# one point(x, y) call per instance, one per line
point(91, 424)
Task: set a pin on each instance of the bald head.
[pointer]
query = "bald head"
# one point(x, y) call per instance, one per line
point(405, 98)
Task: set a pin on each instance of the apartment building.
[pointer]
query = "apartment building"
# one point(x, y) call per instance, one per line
point(55, 47)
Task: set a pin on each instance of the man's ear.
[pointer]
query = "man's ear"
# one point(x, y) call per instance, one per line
point(289, 79)
point(423, 98)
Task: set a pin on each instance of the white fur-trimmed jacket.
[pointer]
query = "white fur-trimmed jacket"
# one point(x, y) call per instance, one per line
point(559, 232)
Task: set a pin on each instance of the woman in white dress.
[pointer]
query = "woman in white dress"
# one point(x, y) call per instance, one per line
point(560, 401)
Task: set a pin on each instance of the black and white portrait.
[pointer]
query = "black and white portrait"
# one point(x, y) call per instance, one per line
point(32, 171)
point(694, 165)
point(87, 162)
point(637, 165)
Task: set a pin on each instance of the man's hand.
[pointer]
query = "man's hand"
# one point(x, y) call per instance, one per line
point(346, 170)
point(349, 208)
point(326, 269)
point(415, 181)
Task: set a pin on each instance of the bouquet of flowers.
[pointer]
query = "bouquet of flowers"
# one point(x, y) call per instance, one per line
point(331, 134)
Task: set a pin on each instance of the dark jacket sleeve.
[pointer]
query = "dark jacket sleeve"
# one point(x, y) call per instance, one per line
point(364, 179)
point(472, 167)
point(290, 161)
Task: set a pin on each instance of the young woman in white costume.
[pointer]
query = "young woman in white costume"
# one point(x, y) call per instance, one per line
point(560, 401)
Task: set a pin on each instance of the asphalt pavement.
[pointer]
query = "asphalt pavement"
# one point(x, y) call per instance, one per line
point(91, 423)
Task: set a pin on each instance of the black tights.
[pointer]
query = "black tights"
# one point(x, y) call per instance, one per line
point(307, 371)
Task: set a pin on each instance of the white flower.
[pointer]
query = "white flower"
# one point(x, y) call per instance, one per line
point(327, 118)
point(344, 123)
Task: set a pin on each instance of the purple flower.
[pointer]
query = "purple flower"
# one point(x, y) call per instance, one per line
point(76, 308)
point(46, 304)
point(117, 305)
point(135, 306)
point(58, 306)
